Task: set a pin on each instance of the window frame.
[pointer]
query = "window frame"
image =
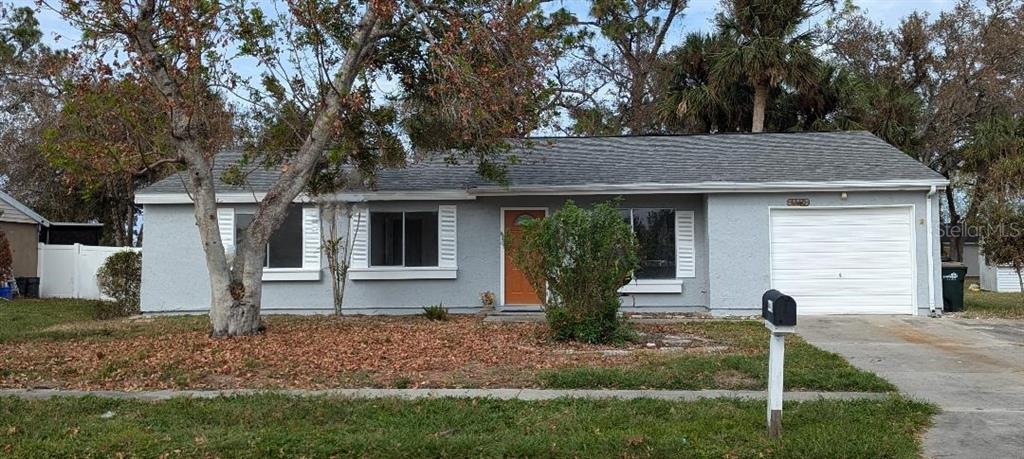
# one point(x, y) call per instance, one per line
point(447, 240)
point(403, 266)
point(266, 248)
point(308, 271)
point(672, 284)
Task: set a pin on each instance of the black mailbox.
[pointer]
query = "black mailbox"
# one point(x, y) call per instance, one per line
point(778, 309)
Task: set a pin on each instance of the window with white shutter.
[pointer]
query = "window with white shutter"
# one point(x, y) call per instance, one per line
point(358, 233)
point(448, 230)
point(686, 256)
point(226, 225)
point(396, 244)
point(666, 247)
point(293, 252)
point(311, 248)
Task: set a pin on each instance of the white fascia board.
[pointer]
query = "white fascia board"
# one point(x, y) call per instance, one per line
point(714, 187)
point(252, 198)
point(222, 198)
point(437, 195)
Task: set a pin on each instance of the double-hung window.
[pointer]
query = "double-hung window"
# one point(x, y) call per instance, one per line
point(656, 236)
point(403, 239)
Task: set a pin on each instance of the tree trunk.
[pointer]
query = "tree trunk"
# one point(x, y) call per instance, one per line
point(228, 315)
point(956, 241)
point(760, 104)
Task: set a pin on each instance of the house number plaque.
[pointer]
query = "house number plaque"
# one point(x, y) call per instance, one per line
point(798, 202)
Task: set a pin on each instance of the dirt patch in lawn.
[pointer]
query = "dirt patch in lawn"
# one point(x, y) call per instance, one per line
point(320, 352)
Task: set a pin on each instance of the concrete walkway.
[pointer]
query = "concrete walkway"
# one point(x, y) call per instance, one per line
point(972, 369)
point(409, 394)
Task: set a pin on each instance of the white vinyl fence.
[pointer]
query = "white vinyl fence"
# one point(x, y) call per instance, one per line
point(69, 271)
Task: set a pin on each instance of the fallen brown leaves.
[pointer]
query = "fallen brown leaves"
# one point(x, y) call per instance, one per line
point(305, 352)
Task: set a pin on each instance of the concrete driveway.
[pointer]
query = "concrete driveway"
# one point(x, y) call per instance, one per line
point(972, 369)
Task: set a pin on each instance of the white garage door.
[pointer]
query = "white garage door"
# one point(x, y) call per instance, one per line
point(844, 261)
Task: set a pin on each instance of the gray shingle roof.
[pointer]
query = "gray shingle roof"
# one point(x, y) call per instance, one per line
point(682, 159)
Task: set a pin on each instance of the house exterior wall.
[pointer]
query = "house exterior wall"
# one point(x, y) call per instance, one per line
point(24, 241)
point(731, 242)
point(175, 279)
point(174, 276)
point(739, 243)
point(479, 259)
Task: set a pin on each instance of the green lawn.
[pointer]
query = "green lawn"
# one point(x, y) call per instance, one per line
point(59, 319)
point(985, 305)
point(25, 318)
point(277, 426)
point(745, 367)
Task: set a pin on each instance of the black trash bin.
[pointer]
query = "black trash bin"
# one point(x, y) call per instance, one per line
point(31, 288)
point(953, 275)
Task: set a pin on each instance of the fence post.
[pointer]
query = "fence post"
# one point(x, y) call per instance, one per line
point(76, 287)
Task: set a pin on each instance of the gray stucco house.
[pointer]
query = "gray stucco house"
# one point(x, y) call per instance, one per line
point(843, 221)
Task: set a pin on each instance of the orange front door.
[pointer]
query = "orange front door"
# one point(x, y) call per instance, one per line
point(517, 289)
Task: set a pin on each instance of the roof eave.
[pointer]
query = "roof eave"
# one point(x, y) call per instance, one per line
point(716, 187)
point(631, 188)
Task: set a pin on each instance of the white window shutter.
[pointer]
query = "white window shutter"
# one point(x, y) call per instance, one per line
point(311, 253)
point(447, 237)
point(359, 228)
point(686, 256)
point(226, 225)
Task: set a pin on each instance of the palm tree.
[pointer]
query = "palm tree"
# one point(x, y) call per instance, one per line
point(693, 103)
point(764, 45)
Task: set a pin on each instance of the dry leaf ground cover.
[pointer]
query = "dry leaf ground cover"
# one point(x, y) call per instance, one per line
point(39, 350)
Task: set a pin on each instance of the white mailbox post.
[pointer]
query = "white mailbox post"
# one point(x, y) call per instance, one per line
point(779, 313)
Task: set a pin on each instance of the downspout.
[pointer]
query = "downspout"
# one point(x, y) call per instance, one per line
point(931, 254)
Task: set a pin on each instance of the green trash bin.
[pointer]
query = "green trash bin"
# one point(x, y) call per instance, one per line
point(953, 275)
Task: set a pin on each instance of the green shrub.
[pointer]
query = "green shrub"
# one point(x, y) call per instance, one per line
point(120, 278)
point(436, 312)
point(576, 260)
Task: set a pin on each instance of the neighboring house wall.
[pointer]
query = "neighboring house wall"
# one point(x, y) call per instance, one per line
point(972, 258)
point(738, 229)
point(1000, 279)
point(175, 277)
point(24, 241)
point(12, 215)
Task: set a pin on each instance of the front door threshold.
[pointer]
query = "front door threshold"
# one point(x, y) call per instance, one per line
point(520, 308)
